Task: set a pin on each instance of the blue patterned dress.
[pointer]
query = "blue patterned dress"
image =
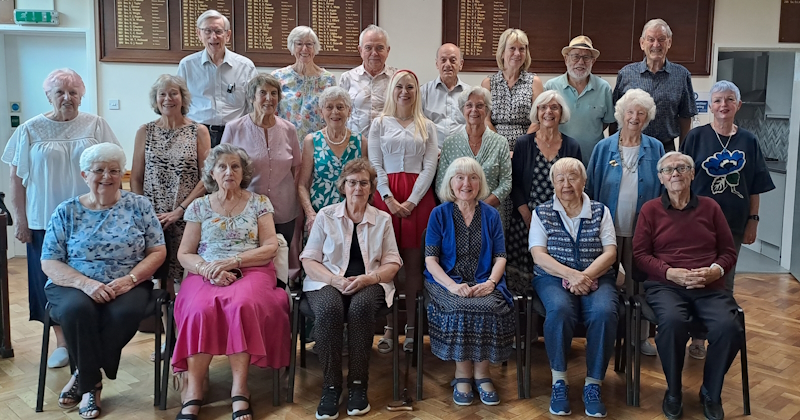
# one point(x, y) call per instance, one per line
point(327, 167)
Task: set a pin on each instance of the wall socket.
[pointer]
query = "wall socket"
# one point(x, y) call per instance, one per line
point(113, 104)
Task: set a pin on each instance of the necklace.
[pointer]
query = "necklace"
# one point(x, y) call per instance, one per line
point(631, 167)
point(331, 139)
point(724, 146)
point(228, 212)
point(406, 118)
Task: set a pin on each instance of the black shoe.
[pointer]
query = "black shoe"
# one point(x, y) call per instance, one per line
point(711, 409)
point(328, 407)
point(357, 403)
point(672, 406)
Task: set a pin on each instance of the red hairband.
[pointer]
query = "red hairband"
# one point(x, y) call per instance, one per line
point(411, 73)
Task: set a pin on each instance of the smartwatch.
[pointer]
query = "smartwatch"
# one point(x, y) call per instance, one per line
point(753, 217)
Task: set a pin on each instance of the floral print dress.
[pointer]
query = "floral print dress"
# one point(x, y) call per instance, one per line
point(300, 103)
point(223, 237)
point(327, 167)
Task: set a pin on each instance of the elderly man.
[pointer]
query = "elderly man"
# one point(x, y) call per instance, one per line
point(684, 245)
point(440, 96)
point(216, 76)
point(588, 96)
point(668, 83)
point(368, 82)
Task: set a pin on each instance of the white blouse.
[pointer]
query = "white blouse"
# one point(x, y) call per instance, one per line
point(396, 149)
point(47, 155)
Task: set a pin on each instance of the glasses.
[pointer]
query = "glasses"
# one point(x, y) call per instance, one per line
point(300, 45)
point(577, 57)
point(552, 107)
point(112, 172)
point(478, 106)
point(669, 169)
point(209, 31)
point(352, 183)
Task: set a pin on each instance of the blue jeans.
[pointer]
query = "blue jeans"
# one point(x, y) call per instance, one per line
point(597, 311)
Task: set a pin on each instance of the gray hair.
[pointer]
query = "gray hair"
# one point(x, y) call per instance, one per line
point(566, 164)
point(213, 14)
point(300, 32)
point(652, 23)
point(63, 77)
point(261, 79)
point(631, 98)
point(169, 80)
point(725, 86)
point(373, 28)
point(686, 158)
point(467, 166)
point(476, 90)
point(103, 152)
point(546, 97)
point(211, 162)
point(334, 93)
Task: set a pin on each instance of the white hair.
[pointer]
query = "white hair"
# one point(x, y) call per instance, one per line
point(725, 86)
point(476, 90)
point(334, 93)
point(213, 14)
point(565, 164)
point(466, 166)
point(373, 28)
point(686, 158)
point(546, 97)
point(652, 23)
point(635, 97)
point(63, 77)
point(103, 152)
point(300, 32)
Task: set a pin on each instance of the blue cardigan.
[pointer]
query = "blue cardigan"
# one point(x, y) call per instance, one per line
point(442, 233)
point(604, 178)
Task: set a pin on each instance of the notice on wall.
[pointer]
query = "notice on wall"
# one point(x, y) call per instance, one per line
point(142, 24)
point(790, 21)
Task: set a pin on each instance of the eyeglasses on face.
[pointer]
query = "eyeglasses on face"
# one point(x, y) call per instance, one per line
point(353, 182)
point(113, 172)
point(577, 57)
point(552, 107)
point(669, 169)
point(209, 31)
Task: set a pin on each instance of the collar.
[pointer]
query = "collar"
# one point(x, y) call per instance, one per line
point(370, 214)
point(459, 83)
point(205, 58)
point(693, 201)
point(563, 80)
point(361, 71)
point(643, 66)
point(586, 209)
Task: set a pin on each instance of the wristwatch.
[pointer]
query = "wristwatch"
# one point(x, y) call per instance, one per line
point(753, 217)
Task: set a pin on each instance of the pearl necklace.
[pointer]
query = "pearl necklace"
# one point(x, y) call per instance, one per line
point(330, 138)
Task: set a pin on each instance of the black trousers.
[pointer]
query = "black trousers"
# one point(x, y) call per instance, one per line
point(331, 310)
point(287, 229)
point(215, 131)
point(676, 308)
point(96, 333)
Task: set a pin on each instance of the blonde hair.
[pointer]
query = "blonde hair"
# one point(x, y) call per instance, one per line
point(390, 106)
point(512, 35)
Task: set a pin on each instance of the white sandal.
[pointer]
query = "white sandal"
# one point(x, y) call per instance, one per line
point(385, 345)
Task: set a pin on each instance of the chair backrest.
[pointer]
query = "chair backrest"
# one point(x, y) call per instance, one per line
point(281, 260)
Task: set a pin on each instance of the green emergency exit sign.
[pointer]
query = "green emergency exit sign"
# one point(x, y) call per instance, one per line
point(35, 17)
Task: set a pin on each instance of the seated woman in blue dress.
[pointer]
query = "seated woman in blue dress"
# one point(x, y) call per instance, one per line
point(573, 243)
point(470, 314)
point(99, 252)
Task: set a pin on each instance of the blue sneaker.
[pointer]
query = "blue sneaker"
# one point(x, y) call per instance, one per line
point(591, 400)
point(487, 397)
point(462, 398)
point(559, 399)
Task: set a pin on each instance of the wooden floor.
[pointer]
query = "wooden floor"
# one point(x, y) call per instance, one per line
point(771, 303)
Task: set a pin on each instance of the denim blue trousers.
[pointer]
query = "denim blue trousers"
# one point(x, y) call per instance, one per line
point(597, 311)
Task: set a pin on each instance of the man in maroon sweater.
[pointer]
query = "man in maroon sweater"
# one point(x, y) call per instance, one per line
point(684, 245)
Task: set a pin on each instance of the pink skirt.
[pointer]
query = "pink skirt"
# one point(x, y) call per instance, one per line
point(249, 316)
point(407, 231)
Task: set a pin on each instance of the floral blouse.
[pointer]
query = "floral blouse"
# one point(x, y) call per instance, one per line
point(223, 237)
point(300, 103)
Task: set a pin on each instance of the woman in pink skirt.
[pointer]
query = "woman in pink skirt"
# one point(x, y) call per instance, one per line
point(403, 149)
point(229, 304)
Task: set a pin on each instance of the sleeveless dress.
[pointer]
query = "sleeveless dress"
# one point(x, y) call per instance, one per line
point(327, 167)
point(511, 107)
point(171, 173)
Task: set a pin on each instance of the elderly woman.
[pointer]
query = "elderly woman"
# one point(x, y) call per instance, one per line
point(99, 251)
point(403, 149)
point(271, 143)
point(44, 157)
point(470, 314)
point(325, 153)
point(303, 82)
point(229, 303)
point(573, 244)
point(350, 260)
point(623, 176)
point(534, 155)
point(487, 147)
point(685, 247)
point(168, 155)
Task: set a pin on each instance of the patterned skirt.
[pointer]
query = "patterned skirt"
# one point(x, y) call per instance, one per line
point(469, 329)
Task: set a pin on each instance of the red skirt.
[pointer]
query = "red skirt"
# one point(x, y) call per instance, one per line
point(408, 230)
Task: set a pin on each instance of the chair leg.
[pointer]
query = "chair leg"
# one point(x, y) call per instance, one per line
point(302, 326)
point(276, 387)
point(745, 374)
point(168, 356)
point(420, 306)
point(519, 352)
point(157, 364)
point(395, 350)
point(43, 360)
point(637, 353)
point(530, 319)
point(628, 354)
point(293, 354)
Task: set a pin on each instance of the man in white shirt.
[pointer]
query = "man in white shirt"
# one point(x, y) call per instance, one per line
point(216, 77)
point(368, 82)
point(440, 96)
